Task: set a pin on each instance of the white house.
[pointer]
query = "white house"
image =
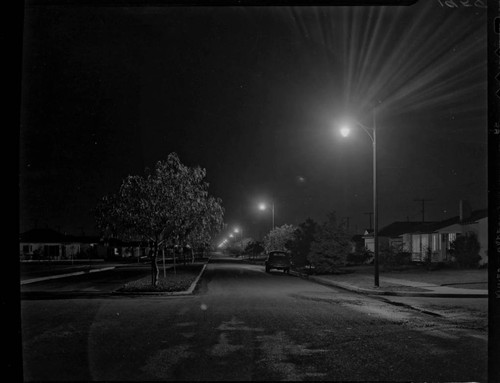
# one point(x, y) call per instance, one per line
point(438, 237)
point(392, 235)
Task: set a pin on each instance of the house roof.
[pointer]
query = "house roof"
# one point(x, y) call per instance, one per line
point(396, 229)
point(368, 233)
point(476, 215)
point(430, 227)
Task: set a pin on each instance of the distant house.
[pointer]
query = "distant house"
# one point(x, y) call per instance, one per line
point(369, 240)
point(434, 237)
point(117, 248)
point(51, 244)
point(46, 242)
point(437, 237)
point(474, 222)
point(391, 235)
point(430, 236)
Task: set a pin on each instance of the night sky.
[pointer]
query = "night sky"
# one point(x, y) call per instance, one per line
point(256, 96)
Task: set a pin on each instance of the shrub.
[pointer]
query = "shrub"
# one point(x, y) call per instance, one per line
point(330, 247)
point(278, 238)
point(359, 257)
point(300, 243)
point(254, 248)
point(233, 251)
point(390, 256)
point(38, 254)
point(465, 250)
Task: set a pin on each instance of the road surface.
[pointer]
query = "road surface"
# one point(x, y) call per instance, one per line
point(244, 324)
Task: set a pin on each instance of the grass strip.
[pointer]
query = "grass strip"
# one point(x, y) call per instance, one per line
point(181, 280)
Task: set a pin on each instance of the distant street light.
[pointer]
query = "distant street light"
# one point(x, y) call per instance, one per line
point(344, 131)
point(263, 206)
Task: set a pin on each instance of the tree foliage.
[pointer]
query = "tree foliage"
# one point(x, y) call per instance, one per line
point(360, 254)
point(170, 205)
point(392, 256)
point(330, 247)
point(300, 243)
point(205, 223)
point(278, 238)
point(254, 248)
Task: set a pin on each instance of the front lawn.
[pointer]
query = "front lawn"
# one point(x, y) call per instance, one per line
point(177, 281)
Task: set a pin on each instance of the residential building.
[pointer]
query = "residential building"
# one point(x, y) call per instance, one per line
point(391, 235)
point(51, 244)
point(437, 237)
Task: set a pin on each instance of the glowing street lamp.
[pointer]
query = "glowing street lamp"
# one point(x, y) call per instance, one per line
point(344, 131)
point(263, 206)
point(372, 133)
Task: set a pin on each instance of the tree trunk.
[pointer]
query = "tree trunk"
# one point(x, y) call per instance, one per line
point(155, 271)
point(163, 255)
point(175, 255)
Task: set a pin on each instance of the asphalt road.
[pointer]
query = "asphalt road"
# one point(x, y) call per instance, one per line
point(244, 324)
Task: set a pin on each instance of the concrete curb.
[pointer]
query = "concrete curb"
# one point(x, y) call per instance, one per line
point(349, 287)
point(33, 280)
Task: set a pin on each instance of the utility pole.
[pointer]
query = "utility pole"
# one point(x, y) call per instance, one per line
point(346, 220)
point(423, 200)
point(370, 214)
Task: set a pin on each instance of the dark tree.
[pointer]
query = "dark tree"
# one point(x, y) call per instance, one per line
point(164, 206)
point(279, 237)
point(330, 247)
point(300, 244)
point(254, 248)
point(465, 249)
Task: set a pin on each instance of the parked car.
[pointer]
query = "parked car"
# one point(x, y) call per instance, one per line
point(279, 260)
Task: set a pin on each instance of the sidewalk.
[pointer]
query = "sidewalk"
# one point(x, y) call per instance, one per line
point(364, 283)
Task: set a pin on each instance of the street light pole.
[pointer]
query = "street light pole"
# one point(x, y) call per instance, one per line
point(241, 241)
point(373, 136)
point(238, 230)
point(375, 204)
point(263, 206)
point(273, 215)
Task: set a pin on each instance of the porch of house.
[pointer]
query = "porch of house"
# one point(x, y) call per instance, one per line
point(437, 245)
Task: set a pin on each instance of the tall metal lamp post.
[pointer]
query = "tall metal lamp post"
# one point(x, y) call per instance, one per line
point(263, 206)
point(372, 133)
point(238, 230)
